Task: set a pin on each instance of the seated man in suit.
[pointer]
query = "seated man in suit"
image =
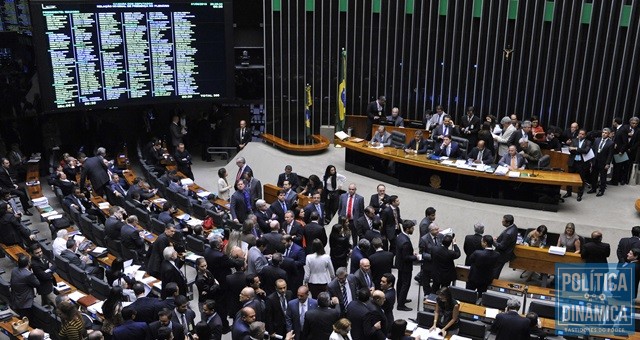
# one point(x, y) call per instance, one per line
point(418, 145)
point(448, 148)
point(512, 159)
point(480, 154)
point(65, 185)
point(8, 182)
point(290, 176)
point(447, 128)
point(510, 325)
point(82, 261)
point(382, 137)
point(395, 118)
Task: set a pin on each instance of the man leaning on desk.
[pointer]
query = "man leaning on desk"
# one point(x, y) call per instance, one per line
point(382, 137)
point(418, 145)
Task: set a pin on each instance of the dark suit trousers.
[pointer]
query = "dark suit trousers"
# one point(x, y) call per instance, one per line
point(22, 194)
point(599, 177)
point(620, 172)
point(581, 168)
point(426, 281)
point(404, 282)
point(497, 269)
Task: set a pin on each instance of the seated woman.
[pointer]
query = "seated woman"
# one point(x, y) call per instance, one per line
point(447, 313)
point(569, 239)
point(537, 237)
point(536, 130)
point(313, 185)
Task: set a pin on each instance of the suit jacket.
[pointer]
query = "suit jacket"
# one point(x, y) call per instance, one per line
point(47, 280)
point(263, 217)
point(219, 264)
point(183, 161)
point(471, 244)
point(389, 302)
point(238, 206)
point(595, 252)
point(215, 326)
point(455, 151)
point(605, 156)
point(7, 179)
point(146, 309)
point(23, 282)
point(132, 330)
point(314, 231)
point(189, 315)
point(13, 231)
point(255, 261)
point(443, 265)
point(581, 151)
point(255, 191)
point(357, 209)
point(422, 147)
point(73, 258)
point(381, 263)
point(290, 197)
point(506, 242)
point(176, 329)
point(356, 312)
point(234, 284)
point(440, 131)
point(276, 208)
point(482, 262)
point(404, 253)
point(506, 160)
point(398, 121)
point(471, 124)
point(293, 315)
point(389, 222)
point(309, 208)
point(375, 202)
point(362, 225)
point(95, 170)
point(487, 155)
point(276, 318)
point(268, 277)
point(66, 187)
point(176, 134)
point(318, 323)
point(516, 136)
point(293, 179)
point(274, 243)
point(625, 244)
point(356, 255)
point(296, 231)
point(376, 314)
point(131, 239)
point(334, 289)
point(504, 139)
point(385, 139)
point(169, 273)
point(510, 326)
point(294, 263)
point(372, 112)
point(361, 281)
point(242, 139)
point(425, 247)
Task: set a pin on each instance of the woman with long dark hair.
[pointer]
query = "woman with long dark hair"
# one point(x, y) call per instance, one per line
point(339, 244)
point(313, 185)
point(111, 311)
point(332, 183)
point(224, 188)
point(447, 313)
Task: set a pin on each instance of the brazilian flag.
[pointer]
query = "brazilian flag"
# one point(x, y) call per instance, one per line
point(307, 111)
point(342, 91)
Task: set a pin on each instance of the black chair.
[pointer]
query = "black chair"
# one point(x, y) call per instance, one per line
point(75, 215)
point(398, 139)
point(464, 295)
point(425, 319)
point(99, 234)
point(5, 291)
point(199, 211)
point(129, 254)
point(544, 162)
point(115, 247)
point(494, 300)
point(47, 251)
point(130, 208)
point(475, 330)
point(183, 203)
point(217, 219)
point(463, 145)
point(99, 288)
point(544, 309)
point(62, 267)
point(44, 317)
point(85, 227)
point(157, 227)
point(79, 278)
point(195, 245)
point(143, 217)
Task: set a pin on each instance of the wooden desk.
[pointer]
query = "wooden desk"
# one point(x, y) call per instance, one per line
point(7, 329)
point(421, 173)
point(558, 159)
point(539, 260)
point(271, 195)
point(408, 131)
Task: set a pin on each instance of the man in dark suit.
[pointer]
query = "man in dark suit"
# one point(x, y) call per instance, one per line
point(78, 201)
point(392, 221)
point(351, 205)
point(292, 227)
point(448, 148)
point(569, 134)
point(43, 271)
point(313, 230)
point(470, 125)
point(404, 263)
point(386, 285)
point(376, 325)
point(146, 307)
point(8, 182)
point(132, 238)
point(263, 217)
point(213, 319)
point(170, 271)
point(272, 273)
point(343, 286)
point(427, 243)
point(523, 133)
point(447, 128)
point(595, 251)
point(603, 154)
point(318, 322)
point(395, 118)
point(131, 329)
point(254, 186)
point(417, 145)
point(473, 242)
point(381, 261)
point(290, 176)
point(234, 283)
point(379, 199)
point(240, 330)
point(242, 135)
point(578, 149)
point(356, 312)
point(358, 253)
point(505, 243)
point(164, 320)
point(95, 169)
point(363, 276)
point(482, 262)
point(23, 282)
point(240, 205)
point(294, 260)
point(513, 160)
point(280, 206)
point(429, 217)
point(480, 154)
point(183, 315)
point(249, 298)
point(296, 310)
point(274, 239)
point(277, 301)
point(624, 246)
point(177, 131)
point(510, 325)
point(82, 261)
point(315, 206)
point(365, 222)
point(375, 114)
point(290, 196)
point(444, 270)
point(183, 161)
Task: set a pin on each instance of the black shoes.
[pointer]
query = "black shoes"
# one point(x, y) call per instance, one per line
point(600, 193)
point(579, 198)
point(404, 308)
point(566, 195)
point(592, 191)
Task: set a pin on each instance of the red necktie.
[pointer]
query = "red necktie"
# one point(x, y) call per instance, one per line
point(349, 207)
point(239, 175)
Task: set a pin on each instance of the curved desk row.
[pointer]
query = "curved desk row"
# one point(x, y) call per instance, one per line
point(533, 189)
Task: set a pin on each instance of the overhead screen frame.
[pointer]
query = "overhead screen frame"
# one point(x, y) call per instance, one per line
point(45, 69)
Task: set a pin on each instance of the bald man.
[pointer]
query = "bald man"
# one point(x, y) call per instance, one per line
point(595, 251)
point(363, 275)
point(480, 154)
point(248, 299)
point(376, 325)
point(240, 329)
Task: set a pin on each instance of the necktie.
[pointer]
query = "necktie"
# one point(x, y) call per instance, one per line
point(368, 279)
point(303, 310)
point(345, 297)
point(395, 216)
point(417, 145)
point(601, 145)
point(247, 200)
point(319, 210)
point(255, 232)
point(445, 130)
point(284, 206)
point(349, 207)
point(370, 223)
point(286, 253)
point(283, 303)
point(289, 229)
point(435, 240)
point(242, 133)
point(239, 175)
point(480, 155)
point(184, 324)
point(448, 150)
point(514, 164)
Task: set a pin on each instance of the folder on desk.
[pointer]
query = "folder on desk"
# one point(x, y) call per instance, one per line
point(557, 250)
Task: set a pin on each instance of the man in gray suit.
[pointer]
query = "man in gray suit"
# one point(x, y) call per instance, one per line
point(296, 310)
point(351, 205)
point(255, 257)
point(382, 137)
point(23, 282)
point(254, 186)
point(428, 242)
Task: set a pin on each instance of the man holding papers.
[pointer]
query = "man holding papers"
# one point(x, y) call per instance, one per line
point(580, 154)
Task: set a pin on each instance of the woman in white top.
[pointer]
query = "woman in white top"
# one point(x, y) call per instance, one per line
point(224, 188)
point(332, 183)
point(341, 330)
point(318, 271)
